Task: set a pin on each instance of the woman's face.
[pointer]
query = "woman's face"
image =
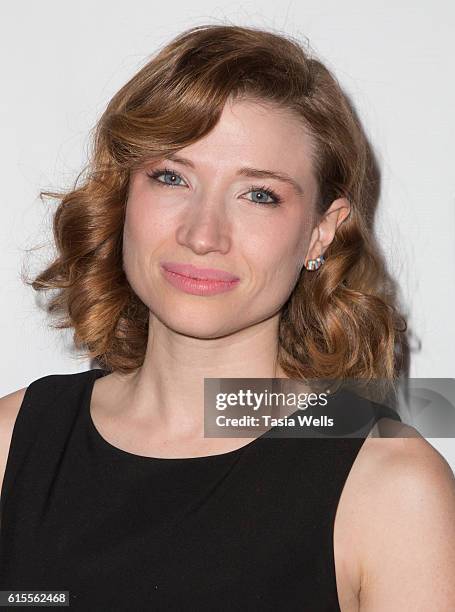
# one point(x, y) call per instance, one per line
point(212, 213)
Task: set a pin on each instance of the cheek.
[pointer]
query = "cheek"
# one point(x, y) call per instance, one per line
point(277, 250)
point(138, 218)
point(140, 239)
point(146, 225)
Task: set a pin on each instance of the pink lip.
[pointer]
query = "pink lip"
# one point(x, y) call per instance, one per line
point(199, 273)
point(198, 286)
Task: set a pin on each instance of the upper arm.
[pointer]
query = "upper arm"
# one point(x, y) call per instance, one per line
point(408, 530)
point(9, 409)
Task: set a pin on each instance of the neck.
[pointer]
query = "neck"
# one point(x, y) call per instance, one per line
point(168, 389)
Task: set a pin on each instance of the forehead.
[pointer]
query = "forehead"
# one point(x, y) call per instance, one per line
point(255, 133)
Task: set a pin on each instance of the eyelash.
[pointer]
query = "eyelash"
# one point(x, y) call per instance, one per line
point(263, 188)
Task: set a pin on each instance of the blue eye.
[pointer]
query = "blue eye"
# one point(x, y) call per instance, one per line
point(165, 171)
point(268, 192)
point(175, 177)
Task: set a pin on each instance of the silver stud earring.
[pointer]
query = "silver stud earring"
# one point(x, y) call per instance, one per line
point(314, 264)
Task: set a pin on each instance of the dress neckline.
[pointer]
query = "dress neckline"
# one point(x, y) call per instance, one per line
point(96, 373)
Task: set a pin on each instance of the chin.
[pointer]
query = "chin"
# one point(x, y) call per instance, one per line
point(203, 331)
point(197, 322)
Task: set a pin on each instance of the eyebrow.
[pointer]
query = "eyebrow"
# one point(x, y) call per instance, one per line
point(246, 171)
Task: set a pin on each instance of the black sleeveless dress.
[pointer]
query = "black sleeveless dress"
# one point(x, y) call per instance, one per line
point(250, 529)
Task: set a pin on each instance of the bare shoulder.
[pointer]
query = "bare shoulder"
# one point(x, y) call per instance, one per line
point(9, 409)
point(400, 498)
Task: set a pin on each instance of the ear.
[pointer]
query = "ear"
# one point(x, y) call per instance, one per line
point(324, 232)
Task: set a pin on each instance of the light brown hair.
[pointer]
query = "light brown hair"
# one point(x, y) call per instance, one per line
point(341, 321)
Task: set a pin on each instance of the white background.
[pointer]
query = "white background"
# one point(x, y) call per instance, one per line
point(61, 62)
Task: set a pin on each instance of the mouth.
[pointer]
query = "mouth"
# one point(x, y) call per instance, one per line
point(199, 286)
point(196, 273)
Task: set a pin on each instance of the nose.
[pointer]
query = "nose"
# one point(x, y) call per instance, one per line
point(205, 228)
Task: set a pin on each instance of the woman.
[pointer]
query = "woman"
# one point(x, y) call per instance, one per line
point(232, 150)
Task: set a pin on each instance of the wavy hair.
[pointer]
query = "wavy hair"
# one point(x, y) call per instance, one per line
point(340, 321)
